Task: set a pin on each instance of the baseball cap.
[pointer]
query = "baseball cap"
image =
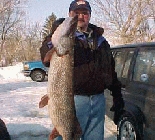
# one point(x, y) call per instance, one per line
point(79, 4)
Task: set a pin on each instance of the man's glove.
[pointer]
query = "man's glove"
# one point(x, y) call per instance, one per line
point(117, 108)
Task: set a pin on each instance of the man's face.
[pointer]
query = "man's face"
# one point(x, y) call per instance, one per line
point(83, 17)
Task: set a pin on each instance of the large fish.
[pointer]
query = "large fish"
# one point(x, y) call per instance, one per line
point(60, 81)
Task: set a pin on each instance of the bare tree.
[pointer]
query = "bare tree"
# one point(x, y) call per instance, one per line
point(33, 42)
point(10, 15)
point(24, 43)
point(127, 21)
point(19, 41)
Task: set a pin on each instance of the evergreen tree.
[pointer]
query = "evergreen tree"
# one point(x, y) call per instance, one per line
point(48, 25)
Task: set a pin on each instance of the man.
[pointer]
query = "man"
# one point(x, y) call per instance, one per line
point(94, 71)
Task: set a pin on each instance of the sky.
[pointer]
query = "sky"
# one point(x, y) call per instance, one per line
point(39, 10)
point(19, 98)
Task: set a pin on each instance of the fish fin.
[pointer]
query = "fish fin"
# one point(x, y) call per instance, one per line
point(44, 101)
point(54, 134)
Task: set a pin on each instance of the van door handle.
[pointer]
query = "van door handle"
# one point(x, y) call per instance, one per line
point(123, 88)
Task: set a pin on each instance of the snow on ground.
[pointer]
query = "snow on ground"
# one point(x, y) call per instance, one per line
point(19, 98)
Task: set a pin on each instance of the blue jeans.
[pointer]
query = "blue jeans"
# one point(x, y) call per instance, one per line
point(90, 111)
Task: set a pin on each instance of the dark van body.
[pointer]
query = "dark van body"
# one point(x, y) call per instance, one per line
point(135, 66)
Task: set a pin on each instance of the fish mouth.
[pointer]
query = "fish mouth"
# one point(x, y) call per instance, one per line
point(74, 20)
point(73, 25)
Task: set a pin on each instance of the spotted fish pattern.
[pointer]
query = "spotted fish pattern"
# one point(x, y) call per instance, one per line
point(60, 81)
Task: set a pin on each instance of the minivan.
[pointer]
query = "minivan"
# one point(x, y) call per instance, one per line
point(135, 67)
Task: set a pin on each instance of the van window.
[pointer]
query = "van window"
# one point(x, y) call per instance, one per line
point(144, 70)
point(122, 62)
point(119, 59)
point(127, 64)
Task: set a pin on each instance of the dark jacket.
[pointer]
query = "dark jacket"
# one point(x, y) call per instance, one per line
point(94, 66)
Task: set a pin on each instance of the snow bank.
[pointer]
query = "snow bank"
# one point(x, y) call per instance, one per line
point(19, 98)
point(12, 72)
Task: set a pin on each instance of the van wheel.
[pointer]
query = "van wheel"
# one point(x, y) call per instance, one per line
point(37, 75)
point(127, 128)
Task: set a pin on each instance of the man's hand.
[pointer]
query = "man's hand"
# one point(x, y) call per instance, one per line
point(54, 134)
point(117, 108)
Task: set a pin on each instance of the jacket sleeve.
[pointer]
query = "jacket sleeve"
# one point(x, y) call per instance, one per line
point(43, 50)
point(115, 87)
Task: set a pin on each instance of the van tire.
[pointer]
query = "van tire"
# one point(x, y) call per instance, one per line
point(128, 128)
point(37, 75)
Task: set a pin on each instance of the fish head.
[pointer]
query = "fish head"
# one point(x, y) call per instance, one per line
point(64, 36)
point(72, 26)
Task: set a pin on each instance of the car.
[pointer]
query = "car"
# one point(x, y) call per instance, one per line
point(135, 67)
point(35, 69)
